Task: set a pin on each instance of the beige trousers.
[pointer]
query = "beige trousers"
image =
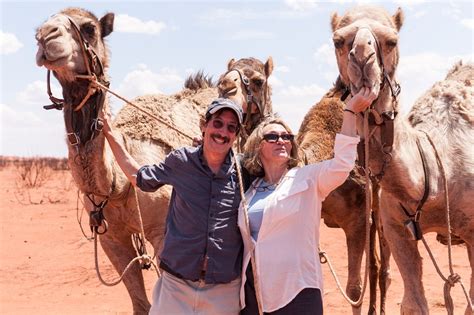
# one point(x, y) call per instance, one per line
point(172, 295)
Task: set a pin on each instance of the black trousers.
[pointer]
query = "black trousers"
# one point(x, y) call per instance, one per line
point(307, 302)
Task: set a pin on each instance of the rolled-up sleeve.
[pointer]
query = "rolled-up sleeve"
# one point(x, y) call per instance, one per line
point(152, 177)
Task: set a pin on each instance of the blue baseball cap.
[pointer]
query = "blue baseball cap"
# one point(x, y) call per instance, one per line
point(224, 103)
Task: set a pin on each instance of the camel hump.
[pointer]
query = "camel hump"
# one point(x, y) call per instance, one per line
point(448, 105)
point(462, 73)
point(198, 81)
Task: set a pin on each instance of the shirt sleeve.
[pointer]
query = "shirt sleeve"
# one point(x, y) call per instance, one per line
point(152, 177)
point(335, 171)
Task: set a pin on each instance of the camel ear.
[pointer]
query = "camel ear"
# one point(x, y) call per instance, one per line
point(230, 64)
point(269, 66)
point(335, 19)
point(398, 18)
point(107, 24)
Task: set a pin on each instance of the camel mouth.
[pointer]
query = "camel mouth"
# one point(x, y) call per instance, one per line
point(226, 93)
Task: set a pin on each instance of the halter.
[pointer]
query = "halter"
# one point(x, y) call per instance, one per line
point(94, 70)
point(249, 121)
point(384, 120)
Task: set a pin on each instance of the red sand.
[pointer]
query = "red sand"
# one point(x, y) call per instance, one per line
point(47, 266)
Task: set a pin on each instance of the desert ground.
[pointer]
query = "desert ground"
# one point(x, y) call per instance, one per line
point(47, 265)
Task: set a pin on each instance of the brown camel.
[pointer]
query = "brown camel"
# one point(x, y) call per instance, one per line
point(61, 50)
point(402, 158)
point(246, 83)
point(345, 207)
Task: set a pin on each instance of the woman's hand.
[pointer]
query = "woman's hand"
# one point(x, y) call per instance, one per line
point(361, 101)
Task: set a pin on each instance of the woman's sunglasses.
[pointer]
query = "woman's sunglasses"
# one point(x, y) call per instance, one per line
point(218, 124)
point(273, 137)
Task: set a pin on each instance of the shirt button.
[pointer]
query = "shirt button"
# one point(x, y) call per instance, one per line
point(211, 215)
point(210, 234)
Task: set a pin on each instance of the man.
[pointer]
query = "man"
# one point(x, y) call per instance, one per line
point(202, 253)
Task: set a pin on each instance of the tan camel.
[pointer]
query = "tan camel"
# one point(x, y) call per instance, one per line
point(412, 199)
point(60, 49)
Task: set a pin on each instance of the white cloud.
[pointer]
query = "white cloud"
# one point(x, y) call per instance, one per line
point(312, 90)
point(275, 82)
point(24, 133)
point(417, 73)
point(250, 35)
point(9, 43)
point(325, 53)
point(419, 14)
point(12, 118)
point(35, 93)
point(469, 23)
point(282, 69)
point(301, 5)
point(142, 81)
point(129, 24)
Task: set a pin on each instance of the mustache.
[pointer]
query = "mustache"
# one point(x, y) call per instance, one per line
point(218, 136)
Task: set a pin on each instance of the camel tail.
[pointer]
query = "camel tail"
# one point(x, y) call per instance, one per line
point(198, 81)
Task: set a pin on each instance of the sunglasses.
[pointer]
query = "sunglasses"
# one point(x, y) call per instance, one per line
point(218, 124)
point(273, 137)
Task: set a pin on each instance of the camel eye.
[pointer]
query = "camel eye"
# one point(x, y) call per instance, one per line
point(391, 43)
point(258, 82)
point(88, 29)
point(338, 42)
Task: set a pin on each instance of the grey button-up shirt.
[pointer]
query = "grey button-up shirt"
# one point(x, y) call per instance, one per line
point(202, 217)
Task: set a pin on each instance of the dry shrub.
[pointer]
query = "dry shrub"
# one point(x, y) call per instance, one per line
point(33, 172)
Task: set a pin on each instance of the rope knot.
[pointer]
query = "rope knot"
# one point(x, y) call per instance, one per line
point(146, 261)
point(453, 279)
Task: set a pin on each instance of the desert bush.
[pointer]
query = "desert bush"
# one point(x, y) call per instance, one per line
point(33, 172)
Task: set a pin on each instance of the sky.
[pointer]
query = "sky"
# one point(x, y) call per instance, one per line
point(157, 44)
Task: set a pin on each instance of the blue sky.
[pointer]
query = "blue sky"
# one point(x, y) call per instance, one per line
point(157, 44)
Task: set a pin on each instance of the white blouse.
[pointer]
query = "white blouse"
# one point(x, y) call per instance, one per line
point(286, 251)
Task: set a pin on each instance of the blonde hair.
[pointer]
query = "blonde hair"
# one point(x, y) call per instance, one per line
point(252, 147)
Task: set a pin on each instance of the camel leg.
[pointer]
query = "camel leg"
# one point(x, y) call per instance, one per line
point(384, 276)
point(470, 252)
point(355, 251)
point(374, 267)
point(120, 251)
point(408, 259)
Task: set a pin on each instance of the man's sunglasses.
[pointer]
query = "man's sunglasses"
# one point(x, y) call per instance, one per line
point(218, 124)
point(273, 137)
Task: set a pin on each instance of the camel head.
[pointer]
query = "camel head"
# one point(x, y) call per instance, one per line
point(246, 83)
point(71, 45)
point(61, 48)
point(366, 46)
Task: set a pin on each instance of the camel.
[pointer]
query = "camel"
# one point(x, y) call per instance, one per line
point(246, 83)
point(403, 151)
point(71, 43)
point(345, 207)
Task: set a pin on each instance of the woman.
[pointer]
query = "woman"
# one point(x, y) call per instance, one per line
point(280, 215)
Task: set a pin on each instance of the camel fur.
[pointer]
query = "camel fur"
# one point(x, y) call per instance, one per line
point(443, 115)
